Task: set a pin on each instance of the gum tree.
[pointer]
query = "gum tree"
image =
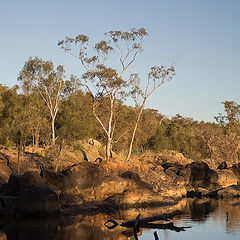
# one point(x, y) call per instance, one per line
point(38, 75)
point(107, 82)
point(108, 77)
point(156, 78)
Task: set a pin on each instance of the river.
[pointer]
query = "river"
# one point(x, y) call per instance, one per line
point(207, 219)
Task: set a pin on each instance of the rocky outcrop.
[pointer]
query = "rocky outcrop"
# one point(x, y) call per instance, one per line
point(91, 182)
point(164, 179)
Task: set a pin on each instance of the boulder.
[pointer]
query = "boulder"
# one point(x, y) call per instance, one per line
point(226, 177)
point(173, 157)
point(94, 142)
point(38, 200)
point(91, 182)
point(198, 174)
point(18, 183)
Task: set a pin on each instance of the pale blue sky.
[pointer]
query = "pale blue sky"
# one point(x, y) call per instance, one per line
point(203, 34)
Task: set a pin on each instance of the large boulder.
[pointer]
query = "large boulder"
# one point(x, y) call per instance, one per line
point(91, 182)
point(38, 200)
point(198, 174)
point(18, 183)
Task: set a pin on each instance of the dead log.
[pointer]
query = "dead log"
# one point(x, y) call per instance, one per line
point(136, 228)
point(165, 217)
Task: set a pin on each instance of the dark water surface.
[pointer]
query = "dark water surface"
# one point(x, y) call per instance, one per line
point(208, 219)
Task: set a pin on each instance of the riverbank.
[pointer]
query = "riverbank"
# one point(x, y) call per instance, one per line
point(98, 186)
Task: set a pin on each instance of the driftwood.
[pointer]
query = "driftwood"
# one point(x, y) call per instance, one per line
point(138, 223)
point(136, 227)
point(166, 217)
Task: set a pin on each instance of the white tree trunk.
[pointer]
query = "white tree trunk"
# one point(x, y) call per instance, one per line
point(135, 129)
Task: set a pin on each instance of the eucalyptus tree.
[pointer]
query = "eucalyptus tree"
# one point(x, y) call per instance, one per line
point(38, 75)
point(157, 76)
point(103, 79)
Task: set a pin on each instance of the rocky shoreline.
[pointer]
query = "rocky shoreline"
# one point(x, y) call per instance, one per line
point(108, 186)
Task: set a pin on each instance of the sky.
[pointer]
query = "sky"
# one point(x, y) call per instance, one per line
point(203, 35)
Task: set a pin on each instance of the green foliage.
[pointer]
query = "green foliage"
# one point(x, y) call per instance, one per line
point(76, 120)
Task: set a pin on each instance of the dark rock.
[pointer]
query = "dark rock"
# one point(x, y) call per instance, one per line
point(38, 200)
point(18, 183)
point(222, 165)
point(176, 167)
point(198, 174)
point(8, 205)
point(14, 185)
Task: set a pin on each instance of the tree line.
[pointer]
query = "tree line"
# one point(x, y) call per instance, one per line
point(48, 109)
point(27, 121)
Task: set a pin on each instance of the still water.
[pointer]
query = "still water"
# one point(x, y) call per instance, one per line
point(208, 219)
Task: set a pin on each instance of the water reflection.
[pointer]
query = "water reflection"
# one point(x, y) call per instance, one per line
point(199, 209)
point(207, 218)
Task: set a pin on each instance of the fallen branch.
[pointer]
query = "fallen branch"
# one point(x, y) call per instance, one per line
point(136, 228)
point(165, 217)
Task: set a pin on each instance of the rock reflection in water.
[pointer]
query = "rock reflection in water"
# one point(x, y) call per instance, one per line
point(30, 228)
point(199, 209)
point(92, 227)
